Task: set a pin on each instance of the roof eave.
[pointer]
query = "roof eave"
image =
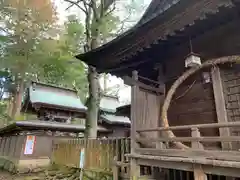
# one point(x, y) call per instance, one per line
point(36, 125)
point(114, 122)
point(89, 56)
point(97, 54)
point(79, 110)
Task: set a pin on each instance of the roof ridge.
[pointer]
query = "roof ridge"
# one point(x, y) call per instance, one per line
point(111, 96)
point(53, 86)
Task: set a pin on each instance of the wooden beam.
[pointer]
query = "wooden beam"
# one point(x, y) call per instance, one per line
point(192, 139)
point(134, 91)
point(222, 171)
point(202, 161)
point(165, 164)
point(123, 67)
point(192, 153)
point(220, 105)
point(200, 126)
point(115, 169)
point(197, 168)
point(208, 169)
point(134, 167)
point(131, 82)
point(198, 172)
point(159, 144)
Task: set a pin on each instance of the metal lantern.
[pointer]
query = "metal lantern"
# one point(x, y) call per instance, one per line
point(192, 60)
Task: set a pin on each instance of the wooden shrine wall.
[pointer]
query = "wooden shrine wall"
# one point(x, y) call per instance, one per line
point(147, 112)
point(231, 85)
point(193, 103)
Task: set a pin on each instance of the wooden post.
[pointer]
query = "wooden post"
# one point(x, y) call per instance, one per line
point(115, 169)
point(134, 168)
point(220, 105)
point(160, 145)
point(197, 169)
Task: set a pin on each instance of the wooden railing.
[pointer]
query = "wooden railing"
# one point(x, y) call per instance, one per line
point(196, 151)
point(99, 153)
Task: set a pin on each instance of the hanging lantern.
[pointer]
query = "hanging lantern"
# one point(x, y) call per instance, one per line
point(192, 60)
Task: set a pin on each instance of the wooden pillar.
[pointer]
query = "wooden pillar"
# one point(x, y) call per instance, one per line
point(134, 167)
point(220, 105)
point(115, 169)
point(160, 145)
point(197, 168)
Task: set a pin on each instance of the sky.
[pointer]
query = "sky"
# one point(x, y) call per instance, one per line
point(125, 91)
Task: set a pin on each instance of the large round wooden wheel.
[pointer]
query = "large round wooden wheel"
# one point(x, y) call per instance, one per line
point(179, 81)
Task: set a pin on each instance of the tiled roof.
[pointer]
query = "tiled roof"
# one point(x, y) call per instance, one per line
point(113, 119)
point(109, 104)
point(45, 125)
point(55, 96)
point(155, 8)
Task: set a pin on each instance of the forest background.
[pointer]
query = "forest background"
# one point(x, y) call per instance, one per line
point(38, 42)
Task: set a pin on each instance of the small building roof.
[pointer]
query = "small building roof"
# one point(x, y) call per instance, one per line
point(53, 97)
point(44, 125)
point(114, 119)
point(124, 110)
point(108, 114)
point(109, 103)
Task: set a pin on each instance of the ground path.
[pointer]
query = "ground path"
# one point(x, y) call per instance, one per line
point(47, 174)
point(8, 176)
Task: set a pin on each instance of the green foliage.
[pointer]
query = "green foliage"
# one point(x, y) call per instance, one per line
point(4, 118)
point(101, 25)
point(109, 26)
point(35, 48)
point(25, 26)
point(73, 37)
point(60, 67)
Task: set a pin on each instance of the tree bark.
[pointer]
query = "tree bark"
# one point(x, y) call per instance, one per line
point(93, 104)
point(93, 79)
point(104, 82)
point(10, 106)
point(17, 100)
point(94, 14)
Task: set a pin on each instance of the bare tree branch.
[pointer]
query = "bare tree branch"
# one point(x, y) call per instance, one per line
point(95, 9)
point(87, 27)
point(76, 4)
point(86, 6)
point(4, 30)
point(123, 22)
point(111, 10)
point(107, 4)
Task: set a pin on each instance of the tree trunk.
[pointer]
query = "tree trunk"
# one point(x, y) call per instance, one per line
point(93, 103)
point(105, 83)
point(17, 100)
point(93, 77)
point(10, 106)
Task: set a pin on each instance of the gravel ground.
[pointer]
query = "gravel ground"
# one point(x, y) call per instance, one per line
point(5, 176)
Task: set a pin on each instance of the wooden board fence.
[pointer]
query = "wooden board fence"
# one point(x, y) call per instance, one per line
point(99, 153)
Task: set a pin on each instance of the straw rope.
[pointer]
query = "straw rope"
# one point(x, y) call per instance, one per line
point(179, 81)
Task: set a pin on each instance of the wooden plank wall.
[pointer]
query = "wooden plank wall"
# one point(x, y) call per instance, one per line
point(193, 103)
point(11, 147)
point(231, 86)
point(147, 112)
